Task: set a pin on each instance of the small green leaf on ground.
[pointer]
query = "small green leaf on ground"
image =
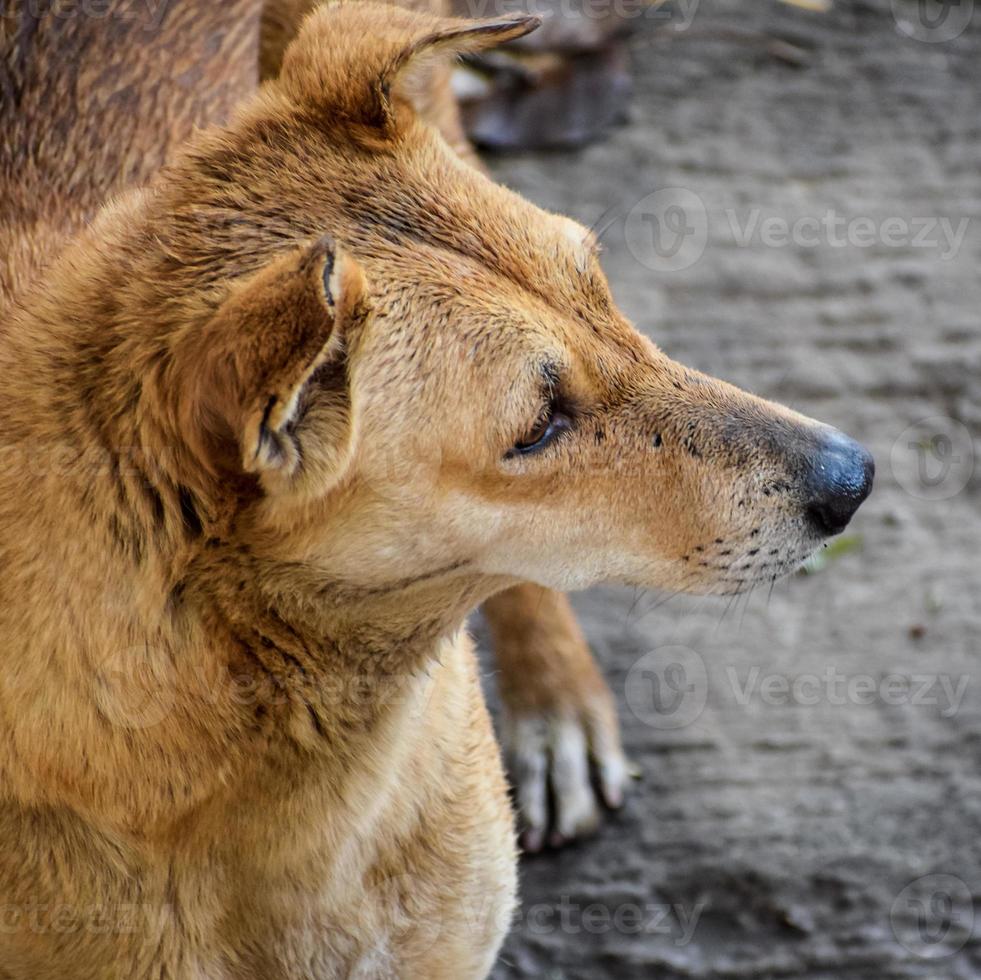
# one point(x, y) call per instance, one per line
point(832, 551)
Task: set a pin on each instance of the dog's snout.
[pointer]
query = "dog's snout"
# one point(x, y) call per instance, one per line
point(839, 478)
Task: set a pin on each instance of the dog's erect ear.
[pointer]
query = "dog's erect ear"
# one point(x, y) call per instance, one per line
point(351, 61)
point(240, 379)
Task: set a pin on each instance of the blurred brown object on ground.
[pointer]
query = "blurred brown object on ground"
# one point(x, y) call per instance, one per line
point(565, 86)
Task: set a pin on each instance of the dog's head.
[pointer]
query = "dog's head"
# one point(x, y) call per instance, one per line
point(387, 368)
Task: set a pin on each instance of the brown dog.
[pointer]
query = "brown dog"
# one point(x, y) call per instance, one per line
point(272, 427)
point(115, 95)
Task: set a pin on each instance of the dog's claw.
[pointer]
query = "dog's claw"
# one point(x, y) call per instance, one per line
point(613, 770)
point(576, 811)
point(611, 789)
point(556, 752)
point(526, 748)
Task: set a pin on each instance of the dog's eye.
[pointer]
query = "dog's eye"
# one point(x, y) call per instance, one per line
point(549, 424)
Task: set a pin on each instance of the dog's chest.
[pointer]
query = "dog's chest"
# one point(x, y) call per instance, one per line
point(405, 868)
point(415, 874)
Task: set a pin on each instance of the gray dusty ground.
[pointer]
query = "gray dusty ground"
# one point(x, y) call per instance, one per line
point(783, 831)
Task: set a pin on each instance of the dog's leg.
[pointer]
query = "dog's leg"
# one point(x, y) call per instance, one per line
point(559, 726)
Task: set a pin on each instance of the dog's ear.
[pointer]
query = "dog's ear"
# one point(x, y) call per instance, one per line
point(240, 379)
point(351, 62)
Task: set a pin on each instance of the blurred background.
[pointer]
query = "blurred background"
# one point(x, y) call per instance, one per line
point(791, 200)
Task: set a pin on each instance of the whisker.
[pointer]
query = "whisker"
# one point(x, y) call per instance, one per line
point(749, 595)
point(662, 601)
point(732, 598)
point(638, 594)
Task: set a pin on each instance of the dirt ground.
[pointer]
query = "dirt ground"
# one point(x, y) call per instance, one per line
point(810, 798)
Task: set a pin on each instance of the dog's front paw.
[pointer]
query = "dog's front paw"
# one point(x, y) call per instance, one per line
point(565, 765)
point(559, 730)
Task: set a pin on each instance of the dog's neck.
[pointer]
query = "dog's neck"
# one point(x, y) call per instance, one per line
point(293, 615)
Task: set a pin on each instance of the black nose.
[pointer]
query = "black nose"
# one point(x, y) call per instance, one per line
point(839, 477)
